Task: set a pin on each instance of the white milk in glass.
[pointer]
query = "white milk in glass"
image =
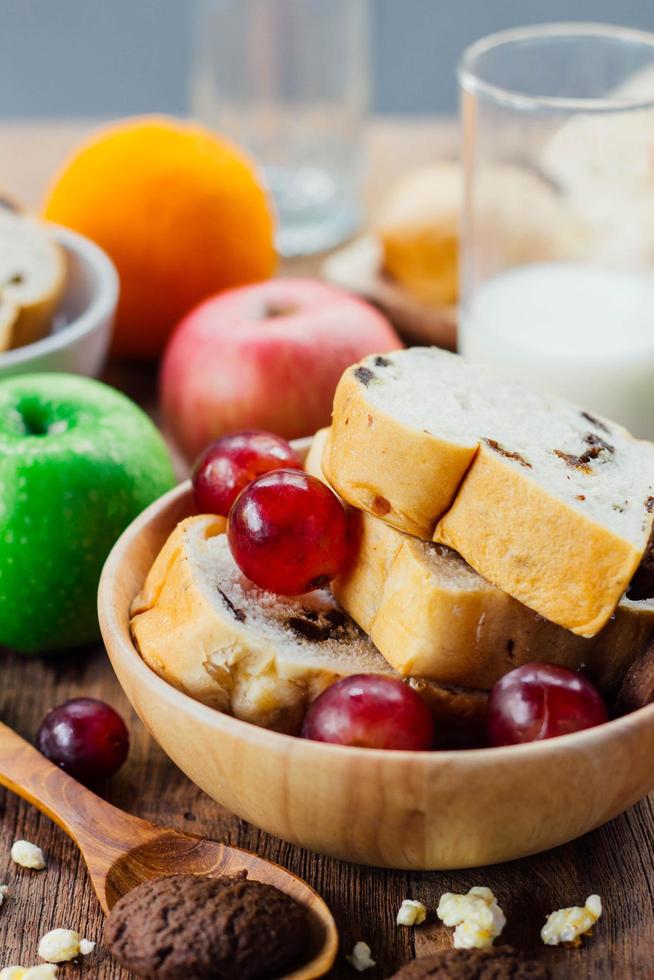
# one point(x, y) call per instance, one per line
point(578, 329)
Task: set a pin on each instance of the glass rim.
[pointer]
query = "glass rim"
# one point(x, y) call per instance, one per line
point(471, 81)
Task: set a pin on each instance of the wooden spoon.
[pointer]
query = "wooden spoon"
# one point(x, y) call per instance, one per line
point(121, 851)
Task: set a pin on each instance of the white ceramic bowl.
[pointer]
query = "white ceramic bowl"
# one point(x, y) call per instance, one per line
point(84, 318)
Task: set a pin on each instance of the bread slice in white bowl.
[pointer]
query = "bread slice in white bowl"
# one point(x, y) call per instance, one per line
point(430, 614)
point(32, 279)
point(548, 502)
point(204, 628)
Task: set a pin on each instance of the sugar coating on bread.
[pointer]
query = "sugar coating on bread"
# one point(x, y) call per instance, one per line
point(311, 627)
point(204, 628)
point(549, 502)
point(419, 232)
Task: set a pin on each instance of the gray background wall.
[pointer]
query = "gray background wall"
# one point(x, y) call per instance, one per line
point(112, 57)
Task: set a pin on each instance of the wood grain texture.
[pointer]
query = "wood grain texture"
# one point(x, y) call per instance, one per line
point(616, 861)
point(122, 851)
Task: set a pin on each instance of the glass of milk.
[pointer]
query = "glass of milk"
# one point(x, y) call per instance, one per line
point(557, 261)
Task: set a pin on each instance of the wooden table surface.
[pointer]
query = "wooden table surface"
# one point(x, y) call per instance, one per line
point(615, 861)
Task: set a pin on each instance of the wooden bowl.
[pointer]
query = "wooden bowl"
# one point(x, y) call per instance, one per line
point(415, 810)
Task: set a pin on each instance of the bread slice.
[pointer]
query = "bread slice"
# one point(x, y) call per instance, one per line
point(207, 630)
point(548, 502)
point(430, 614)
point(419, 232)
point(32, 279)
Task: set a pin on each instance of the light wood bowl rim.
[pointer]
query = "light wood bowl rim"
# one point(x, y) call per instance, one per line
point(117, 637)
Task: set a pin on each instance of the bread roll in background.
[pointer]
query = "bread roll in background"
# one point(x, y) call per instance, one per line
point(418, 227)
point(518, 217)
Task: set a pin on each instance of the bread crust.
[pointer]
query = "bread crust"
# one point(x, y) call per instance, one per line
point(419, 233)
point(472, 635)
point(173, 624)
point(587, 568)
point(468, 634)
point(409, 489)
point(24, 320)
point(412, 255)
point(541, 549)
point(33, 322)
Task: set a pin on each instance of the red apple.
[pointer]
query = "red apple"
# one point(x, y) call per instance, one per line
point(267, 356)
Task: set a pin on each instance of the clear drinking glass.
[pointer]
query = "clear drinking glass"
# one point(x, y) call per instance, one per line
point(557, 265)
point(288, 81)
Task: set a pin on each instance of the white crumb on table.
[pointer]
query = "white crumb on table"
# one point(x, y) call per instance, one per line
point(28, 855)
point(360, 957)
point(411, 913)
point(477, 917)
point(62, 945)
point(567, 926)
point(46, 971)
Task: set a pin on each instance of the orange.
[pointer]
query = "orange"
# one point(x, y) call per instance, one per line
point(181, 212)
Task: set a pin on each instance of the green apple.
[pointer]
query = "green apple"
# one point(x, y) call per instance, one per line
point(78, 462)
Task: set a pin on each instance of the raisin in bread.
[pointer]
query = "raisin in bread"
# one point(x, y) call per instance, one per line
point(429, 613)
point(546, 501)
point(207, 630)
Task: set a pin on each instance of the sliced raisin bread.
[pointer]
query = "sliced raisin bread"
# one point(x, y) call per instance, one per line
point(546, 501)
point(429, 613)
point(207, 630)
point(32, 279)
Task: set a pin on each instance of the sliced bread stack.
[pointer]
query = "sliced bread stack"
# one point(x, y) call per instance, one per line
point(430, 614)
point(549, 503)
point(492, 526)
point(263, 658)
